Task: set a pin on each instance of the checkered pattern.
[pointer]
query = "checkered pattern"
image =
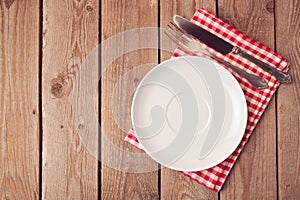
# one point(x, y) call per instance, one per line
point(257, 100)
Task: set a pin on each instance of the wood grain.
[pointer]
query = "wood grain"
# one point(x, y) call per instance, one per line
point(254, 175)
point(173, 184)
point(19, 106)
point(119, 80)
point(177, 186)
point(70, 170)
point(288, 45)
point(70, 32)
point(8, 3)
point(184, 8)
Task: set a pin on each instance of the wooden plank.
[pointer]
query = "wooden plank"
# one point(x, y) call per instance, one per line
point(254, 175)
point(19, 106)
point(118, 84)
point(70, 32)
point(287, 40)
point(173, 184)
point(184, 8)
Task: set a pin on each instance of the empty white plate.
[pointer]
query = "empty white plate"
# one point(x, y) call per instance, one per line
point(189, 113)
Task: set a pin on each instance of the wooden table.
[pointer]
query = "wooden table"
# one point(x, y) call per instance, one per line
point(42, 47)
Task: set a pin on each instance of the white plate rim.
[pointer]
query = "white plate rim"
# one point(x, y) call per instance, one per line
point(244, 121)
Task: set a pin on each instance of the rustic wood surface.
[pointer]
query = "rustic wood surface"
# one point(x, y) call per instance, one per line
point(256, 167)
point(174, 185)
point(70, 32)
point(45, 119)
point(19, 101)
point(288, 101)
point(119, 17)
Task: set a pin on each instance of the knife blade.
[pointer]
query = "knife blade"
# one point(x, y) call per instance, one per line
point(225, 48)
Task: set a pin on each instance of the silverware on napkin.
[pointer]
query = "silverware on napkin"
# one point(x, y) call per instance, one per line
point(224, 47)
point(187, 43)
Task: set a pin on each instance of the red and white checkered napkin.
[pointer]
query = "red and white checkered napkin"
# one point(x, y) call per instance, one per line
point(257, 100)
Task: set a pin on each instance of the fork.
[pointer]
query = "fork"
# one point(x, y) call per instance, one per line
point(187, 43)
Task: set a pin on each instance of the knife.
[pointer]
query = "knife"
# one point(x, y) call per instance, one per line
point(225, 48)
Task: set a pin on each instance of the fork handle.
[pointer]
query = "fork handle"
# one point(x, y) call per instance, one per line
point(256, 81)
point(282, 77)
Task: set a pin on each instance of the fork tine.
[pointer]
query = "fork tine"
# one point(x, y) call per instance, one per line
point(172, 31)
point(182, 39)
point(185, 36)
point(172, 24)
point(177, 41)
point(175, 32)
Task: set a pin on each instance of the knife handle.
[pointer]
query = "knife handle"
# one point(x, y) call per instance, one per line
point(282, 77)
